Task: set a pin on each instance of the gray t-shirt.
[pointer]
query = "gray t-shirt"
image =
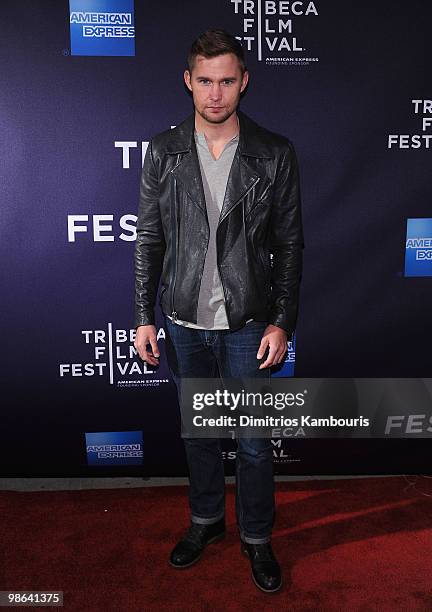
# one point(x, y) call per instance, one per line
point(214, 172)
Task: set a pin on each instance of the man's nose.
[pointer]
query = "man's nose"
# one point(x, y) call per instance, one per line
point(215, 91)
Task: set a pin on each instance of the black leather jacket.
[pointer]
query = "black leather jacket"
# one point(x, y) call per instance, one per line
point(259, 238)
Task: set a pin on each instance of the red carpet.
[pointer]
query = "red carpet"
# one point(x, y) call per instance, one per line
point(361, 544)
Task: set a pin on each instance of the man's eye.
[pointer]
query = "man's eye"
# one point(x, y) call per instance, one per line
point(228, 82)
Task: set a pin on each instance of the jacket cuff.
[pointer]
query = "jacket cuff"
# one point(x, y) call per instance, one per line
point(280, 321)
point(146, 318)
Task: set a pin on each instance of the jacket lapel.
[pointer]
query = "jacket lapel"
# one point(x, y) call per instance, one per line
point(188, 172)
point(242, 177)
point(240, 180)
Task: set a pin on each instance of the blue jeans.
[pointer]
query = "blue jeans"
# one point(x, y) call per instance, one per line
point(196, 353)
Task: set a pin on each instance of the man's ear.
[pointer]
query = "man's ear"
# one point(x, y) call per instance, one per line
point(245, 80)
point(187, 79)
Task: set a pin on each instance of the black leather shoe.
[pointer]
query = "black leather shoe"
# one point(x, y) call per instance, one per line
point(189, 549)
point(266, 571)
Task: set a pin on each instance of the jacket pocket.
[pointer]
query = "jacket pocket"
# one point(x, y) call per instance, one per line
point(266, 272)
point(265, 263)
point(162, 293)
point(260, 200)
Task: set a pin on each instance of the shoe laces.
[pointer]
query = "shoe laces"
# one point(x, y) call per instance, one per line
point(195, 534)
point(264, 552)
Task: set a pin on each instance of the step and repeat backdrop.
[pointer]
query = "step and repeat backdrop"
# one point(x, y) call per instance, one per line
point(84, 85)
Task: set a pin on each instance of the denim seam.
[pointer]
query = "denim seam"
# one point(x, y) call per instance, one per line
point(249, 540)
point(207, 521)
point(238, 491)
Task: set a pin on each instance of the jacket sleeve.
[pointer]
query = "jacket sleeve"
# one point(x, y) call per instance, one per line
point(150, 243)
point(286, 244)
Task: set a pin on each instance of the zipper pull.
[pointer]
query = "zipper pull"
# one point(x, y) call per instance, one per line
point(174, 315)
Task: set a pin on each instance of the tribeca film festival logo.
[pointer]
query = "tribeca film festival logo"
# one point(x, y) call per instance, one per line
point(114, 358)
point(418, 247)
point(102, 27)
point(268, 30)
point(415, 141)
point(114, 448)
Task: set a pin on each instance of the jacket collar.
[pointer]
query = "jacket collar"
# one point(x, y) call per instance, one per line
point(251, 142)
point(243, 175)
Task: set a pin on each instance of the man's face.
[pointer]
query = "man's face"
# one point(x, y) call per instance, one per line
point(216, 84)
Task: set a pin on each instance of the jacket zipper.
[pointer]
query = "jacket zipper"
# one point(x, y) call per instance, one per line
point(223, 289)
point(220, 275)
point(243, 196)
point(175, 229)
point(173, 311)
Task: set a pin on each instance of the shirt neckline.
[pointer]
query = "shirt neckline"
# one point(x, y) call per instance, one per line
point(202, 141)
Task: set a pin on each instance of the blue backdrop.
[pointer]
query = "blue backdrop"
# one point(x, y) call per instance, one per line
point(76, 116)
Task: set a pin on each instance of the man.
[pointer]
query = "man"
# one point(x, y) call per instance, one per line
point(219, 196)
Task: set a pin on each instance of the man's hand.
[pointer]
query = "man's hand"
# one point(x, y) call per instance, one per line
point(276, 339)
point(146, 334)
